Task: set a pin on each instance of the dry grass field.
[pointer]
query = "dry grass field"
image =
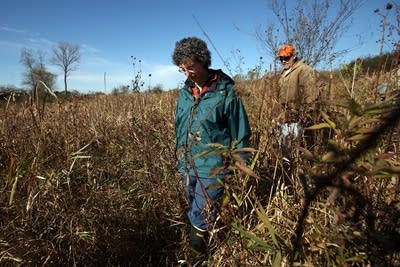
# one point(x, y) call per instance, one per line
point(91, 181)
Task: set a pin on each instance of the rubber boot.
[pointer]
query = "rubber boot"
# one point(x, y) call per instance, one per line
point(198, 245)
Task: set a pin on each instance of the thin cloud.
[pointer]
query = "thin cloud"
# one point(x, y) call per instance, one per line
point(10, 45)
point(167, 76)
point(29, 40)
point(9, 29)
point(97, 61)
point(90, 49)
point(41, 42)
point(86, 78)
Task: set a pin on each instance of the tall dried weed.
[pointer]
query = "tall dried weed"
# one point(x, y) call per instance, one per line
point(93, 182)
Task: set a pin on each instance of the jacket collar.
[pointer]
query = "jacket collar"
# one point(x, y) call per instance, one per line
point(295, 66)
point(220, 83)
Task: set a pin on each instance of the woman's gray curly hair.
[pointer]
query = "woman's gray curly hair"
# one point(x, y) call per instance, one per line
point(191, 48)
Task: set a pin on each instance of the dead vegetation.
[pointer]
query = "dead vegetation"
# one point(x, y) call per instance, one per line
point(92, 182)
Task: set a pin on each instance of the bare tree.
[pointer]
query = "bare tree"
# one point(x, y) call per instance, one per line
point(66, 56)
point(312, 26)
point(35, 69)
point(389, 38)
point(28, 61)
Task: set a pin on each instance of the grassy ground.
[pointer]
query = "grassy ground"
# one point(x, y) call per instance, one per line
point(90, 181)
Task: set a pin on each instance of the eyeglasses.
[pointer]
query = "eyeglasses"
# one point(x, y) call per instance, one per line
point(187, 70)
point(285, 58)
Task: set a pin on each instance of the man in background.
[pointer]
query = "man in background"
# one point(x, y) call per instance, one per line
point(297, 95)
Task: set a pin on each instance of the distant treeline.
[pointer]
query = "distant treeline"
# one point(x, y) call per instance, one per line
point(366, 65)
point(371, 64)
point(15, 94)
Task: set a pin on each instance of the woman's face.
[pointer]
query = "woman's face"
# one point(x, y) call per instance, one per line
point(194, 70)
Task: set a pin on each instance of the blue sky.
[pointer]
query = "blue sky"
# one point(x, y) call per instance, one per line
point(110, 32)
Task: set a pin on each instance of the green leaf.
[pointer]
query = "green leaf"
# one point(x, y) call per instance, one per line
point(216, 170)
point(306, 153)
point(319, 126)
point(242, 167)
point(80, 151)
point(255, 242)
point(328, 120)
point(264, 218)
point(329, 157)
point(277, 261)
point(216, 185)
point(216, 145)
point(210, 153)
point(354, 121)
point(245, 150)
point(357, 137)
point(354, 107)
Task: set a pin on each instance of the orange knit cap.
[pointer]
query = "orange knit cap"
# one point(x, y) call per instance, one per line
point(286, 51)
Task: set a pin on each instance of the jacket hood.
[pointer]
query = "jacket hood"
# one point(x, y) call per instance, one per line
point(297, 64)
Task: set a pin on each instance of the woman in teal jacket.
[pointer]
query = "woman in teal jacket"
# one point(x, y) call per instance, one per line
point(208, 111)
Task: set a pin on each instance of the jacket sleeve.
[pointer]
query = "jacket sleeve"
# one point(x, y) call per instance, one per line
point(308, 85)
point(238, 122)
point(309, 107)
point(176, 122)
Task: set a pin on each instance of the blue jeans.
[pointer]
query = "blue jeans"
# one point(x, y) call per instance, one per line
point(203, 195)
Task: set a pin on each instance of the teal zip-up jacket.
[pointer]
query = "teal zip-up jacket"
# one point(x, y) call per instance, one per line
point(218, 116)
